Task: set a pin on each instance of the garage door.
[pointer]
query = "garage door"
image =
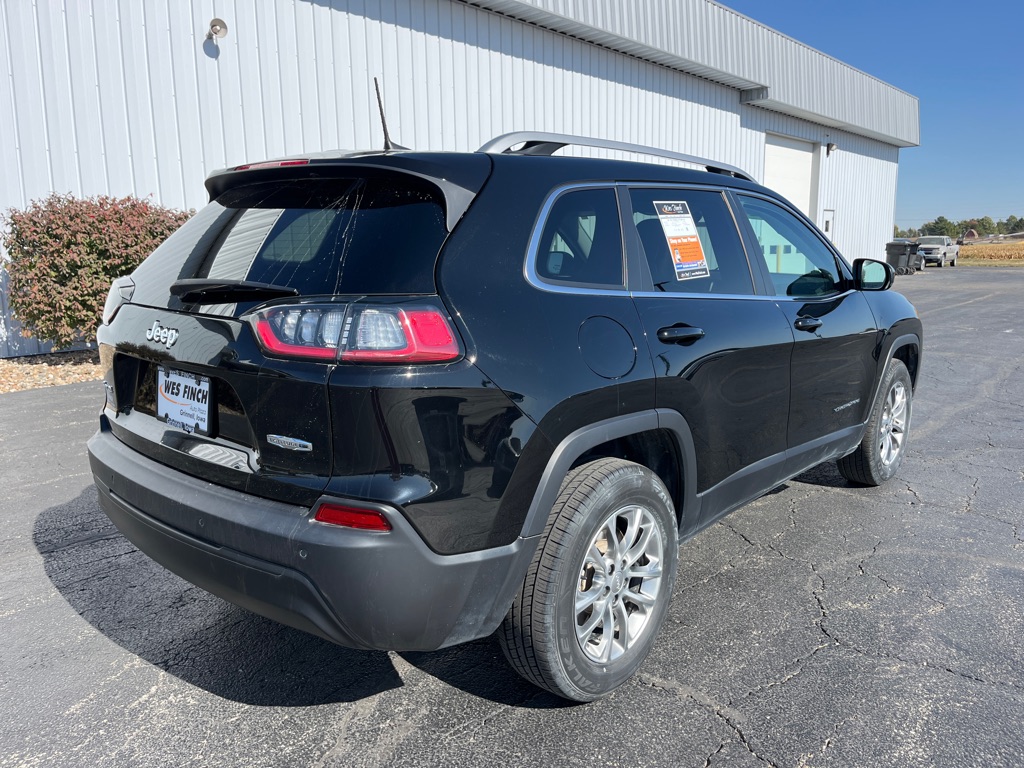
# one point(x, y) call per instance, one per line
point(789, 169)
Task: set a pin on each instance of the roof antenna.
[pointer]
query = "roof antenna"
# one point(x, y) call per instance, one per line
point(388, 146)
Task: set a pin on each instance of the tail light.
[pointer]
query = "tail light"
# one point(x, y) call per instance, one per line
point(273, 164)
point(357, 333)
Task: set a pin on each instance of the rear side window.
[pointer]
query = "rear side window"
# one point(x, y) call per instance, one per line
point(798, 261)
point(582, 240)
point(691, 242)
point(376, 235)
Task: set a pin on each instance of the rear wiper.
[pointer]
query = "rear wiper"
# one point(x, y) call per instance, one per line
point(202, 290)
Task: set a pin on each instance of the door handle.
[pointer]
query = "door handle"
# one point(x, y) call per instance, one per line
point(807, 324)
point(676, 334)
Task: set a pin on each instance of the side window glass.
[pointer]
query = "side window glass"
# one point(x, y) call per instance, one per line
point(690, 241)
point(799, 263)
point(582, 240)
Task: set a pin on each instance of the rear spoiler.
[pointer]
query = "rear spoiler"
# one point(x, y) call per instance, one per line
point(460, 178)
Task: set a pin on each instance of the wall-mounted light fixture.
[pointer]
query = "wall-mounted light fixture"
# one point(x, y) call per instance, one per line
point(218, 29)
point(830, 148)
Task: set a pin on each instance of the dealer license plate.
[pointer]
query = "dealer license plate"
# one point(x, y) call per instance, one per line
point(183, 400)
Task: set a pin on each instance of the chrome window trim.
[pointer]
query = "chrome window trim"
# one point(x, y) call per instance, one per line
point(734, 296)
point(812, 299)
point(533, 248)
point(724, 296)
point(532, 251)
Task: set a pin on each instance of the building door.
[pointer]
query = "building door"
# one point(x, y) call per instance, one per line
point(790, 168)
point(828, 224)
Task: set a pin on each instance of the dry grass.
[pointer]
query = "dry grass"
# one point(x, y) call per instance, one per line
point(998, 254)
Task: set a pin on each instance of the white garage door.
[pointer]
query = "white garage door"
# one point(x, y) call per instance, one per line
point(789, 170)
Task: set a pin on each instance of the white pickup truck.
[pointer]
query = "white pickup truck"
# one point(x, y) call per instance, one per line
point(937, 249)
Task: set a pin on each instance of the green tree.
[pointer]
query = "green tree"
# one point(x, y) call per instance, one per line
point(986, 226)
point(941, 226)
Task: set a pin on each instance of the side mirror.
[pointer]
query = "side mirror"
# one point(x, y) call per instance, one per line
point(871, 275)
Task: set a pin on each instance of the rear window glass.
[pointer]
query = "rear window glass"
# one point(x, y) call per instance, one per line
point(321, 237)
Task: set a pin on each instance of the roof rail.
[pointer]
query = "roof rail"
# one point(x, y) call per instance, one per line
point(538, 143)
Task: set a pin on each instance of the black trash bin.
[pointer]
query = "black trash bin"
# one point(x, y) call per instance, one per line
point(898, 256)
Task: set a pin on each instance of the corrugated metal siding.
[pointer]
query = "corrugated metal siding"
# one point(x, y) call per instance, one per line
point(857, 181)
point(707, 39)
point(12, 343)
point(128, 97)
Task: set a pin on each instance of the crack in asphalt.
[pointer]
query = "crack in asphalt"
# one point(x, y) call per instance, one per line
point(105, 535)
point(925, 664)
point(975, 482)
point(723, 712)
point(911, 489)
point(707, 761)
point(729, 566)
point(800, 663)
point(819, 597)
point(969, 508)
point(827, 744)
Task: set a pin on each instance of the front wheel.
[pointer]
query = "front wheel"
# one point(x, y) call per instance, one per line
point(599, 585)
point(881, 451)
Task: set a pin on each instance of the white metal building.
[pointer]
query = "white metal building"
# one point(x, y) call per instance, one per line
point(132, 96)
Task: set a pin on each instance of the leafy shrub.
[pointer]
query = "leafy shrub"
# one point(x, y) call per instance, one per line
point(65, 251)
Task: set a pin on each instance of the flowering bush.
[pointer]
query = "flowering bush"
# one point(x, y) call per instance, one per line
point(65, 251)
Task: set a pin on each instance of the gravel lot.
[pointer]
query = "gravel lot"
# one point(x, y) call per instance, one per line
point(822, 625)
point(21, 373)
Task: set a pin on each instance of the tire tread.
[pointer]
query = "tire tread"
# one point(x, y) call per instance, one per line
point(523, 627)
point(858, 467)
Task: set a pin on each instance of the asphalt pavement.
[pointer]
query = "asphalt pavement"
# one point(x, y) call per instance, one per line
point(821, 625)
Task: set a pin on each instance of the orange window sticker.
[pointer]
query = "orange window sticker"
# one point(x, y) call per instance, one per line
point(687, 253)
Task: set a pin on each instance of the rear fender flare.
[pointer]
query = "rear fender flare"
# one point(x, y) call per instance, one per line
point(583, 439)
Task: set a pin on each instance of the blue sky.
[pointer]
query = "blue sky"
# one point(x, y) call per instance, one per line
point(964, 61)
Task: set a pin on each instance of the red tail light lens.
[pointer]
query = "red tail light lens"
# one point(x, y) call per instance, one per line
point(357, 333)
point(353, 517)
point(310, 332)
point(392, 336)
point(272, 164)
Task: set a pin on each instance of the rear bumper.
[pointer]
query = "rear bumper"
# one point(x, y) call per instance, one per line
point(357, 588)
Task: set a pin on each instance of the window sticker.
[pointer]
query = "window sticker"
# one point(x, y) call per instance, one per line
point(683, 243)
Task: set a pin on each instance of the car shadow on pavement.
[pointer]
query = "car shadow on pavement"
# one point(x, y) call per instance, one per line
point(826, 474)
point(480, 668)
point(221, 648)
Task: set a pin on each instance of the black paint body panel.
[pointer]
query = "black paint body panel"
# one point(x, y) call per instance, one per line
point(465, 457)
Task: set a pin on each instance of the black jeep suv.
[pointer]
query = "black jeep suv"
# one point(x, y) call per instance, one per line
point(401, 400)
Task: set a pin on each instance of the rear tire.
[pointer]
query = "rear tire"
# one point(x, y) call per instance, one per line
point(884, 444)
point(599, 585)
